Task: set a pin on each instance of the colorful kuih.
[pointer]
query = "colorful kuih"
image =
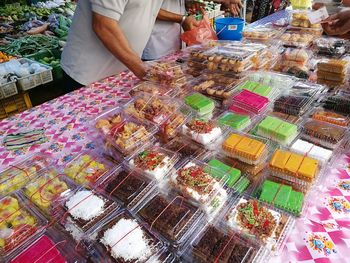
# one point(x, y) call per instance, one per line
point(235, 121)
point(262, 90)
point(250, 101)
point(289, 166)
point(200, 103)
point(278, 130)
point(246, 149)
point(221, 170)
point(282, 196)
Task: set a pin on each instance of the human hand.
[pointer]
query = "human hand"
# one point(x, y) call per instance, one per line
point(140, 70)
point(317, 6)
point(337, 24)
point(189, 23)
point(193, 7)
point(233, 5)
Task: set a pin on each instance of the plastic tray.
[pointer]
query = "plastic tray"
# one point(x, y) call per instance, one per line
point(155, 162)
point(279, 224)
point(19, 174)
point(52, 246)
point(261, 33)
point(250, 101)
point(171, 216)
point(329, 116)
point(154, 89)
point(127, 134)
point(23, 222)
point(258, 88)
point(185, 147)
point(300, 19)
point(272, 79)
point(193, 180)
point(332, 72)
point(307, 89)
point(119, 232)
point(287, 117)
point(297, 39)
point(238, 120)
point(127, 187)
point(330, 47)
point(277, 130)
point(165, 72)
point(200, 104)
point(156, 109)
point(246, 148)
point(339, 103)
point(324, 134)
point(87, 168)
point(295, 167)
point(292, 105)
point(208, 133)
point(215, 244)
point(8, 89)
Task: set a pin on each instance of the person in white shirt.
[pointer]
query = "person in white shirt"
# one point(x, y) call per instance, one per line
point(165, 37)
point(107, 37)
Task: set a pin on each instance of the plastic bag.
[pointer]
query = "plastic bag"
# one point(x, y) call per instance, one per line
point(199, 35)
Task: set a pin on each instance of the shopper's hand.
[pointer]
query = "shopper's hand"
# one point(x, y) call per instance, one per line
point(337, 24)
point(233, 5)
point(140, 70)
point(317, 6)
point(190, 23)
point(192, 7)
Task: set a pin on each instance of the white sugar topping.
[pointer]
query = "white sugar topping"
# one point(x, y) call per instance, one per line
point(127, 241)
point(85, 205)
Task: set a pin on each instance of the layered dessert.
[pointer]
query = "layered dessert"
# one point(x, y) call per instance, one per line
point(287, 117)
point(84, 209)
point(192, 181)
point(223, 172)
point(216, 246)
point(154, 162)
point(245, 149)
point(127, 134)
point(339, 103)
point(278, 130)
point(282, 196)
point(200, 103)
point(203, 132)
point(186, 148)
point(256, 87)
point(332, 72)
point(258, 221)
point(245, 168)
point(128, 187)
point(251, 101)
point(16, 224)
point(292, 105)
point(235, 121)
point(294, 167)
point(331, 117)
point(45, 190)
point(85, 169)
point(171, 218)
point(323, 133)
point(312, 150)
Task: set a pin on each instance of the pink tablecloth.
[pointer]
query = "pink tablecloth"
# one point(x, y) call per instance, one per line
point(322, 234)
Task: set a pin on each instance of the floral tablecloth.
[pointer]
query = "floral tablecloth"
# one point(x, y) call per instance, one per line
point(322, 235)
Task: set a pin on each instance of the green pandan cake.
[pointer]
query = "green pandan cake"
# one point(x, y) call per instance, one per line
point(200, 103)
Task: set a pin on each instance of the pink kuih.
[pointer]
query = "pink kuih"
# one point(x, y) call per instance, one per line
point(42, 251)
point(250, 101)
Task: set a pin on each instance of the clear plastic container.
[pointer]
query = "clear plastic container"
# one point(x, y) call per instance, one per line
point(87, 168)
point(277, 130)
point(311, 150)
point(171, 216)
point(215, 244)
point(292, 104)
point(338, 103)
point(52, 246)
point(246, 148)
point(261, 33)
point(236, 119)
point(193, 180)
point(332, 72)
point(126, 133)
point(282, 194)
point(259, 222)
point(300, 19)
point(19, 224)
point(185, 147)
point(208, 133)
point(316, 32)
point(258, 88)
point(330, 47)
point(324, 134)
point(155, 109)
point(155, 162)
point(126, 186)
point(294, 167)
point(19, 174)
point(250, 101)
point(154, 89)
point(307, 89)
point(329, 116)
point(81, 210)
point(47, 189)
point(201, 105)
point(123, 238)
point(297, 39)
point(165, 72)
point(287, 117)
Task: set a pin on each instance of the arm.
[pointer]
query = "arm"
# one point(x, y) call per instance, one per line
point(187, 23)
point(233, 5)
point(337, 24)
point(113, 38)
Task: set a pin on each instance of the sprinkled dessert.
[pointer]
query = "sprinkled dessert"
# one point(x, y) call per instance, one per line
point(255, 219)
point(192, 181)
point(203, 132)
point(85, 169)
point(16, 224)
point(154, 162)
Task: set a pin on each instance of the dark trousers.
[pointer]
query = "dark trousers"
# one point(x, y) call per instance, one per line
point(70, 84)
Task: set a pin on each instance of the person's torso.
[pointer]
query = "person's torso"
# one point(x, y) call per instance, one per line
point(165, 37)
point(86, 59)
